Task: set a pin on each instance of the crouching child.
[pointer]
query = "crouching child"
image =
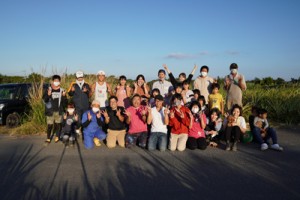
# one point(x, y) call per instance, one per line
point(69, 124)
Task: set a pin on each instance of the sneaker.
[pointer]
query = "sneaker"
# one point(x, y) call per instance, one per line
point(276, 147)
point(48, 141)
point(234, 146)
point(56, 139)
point(264, 146)
point(227, 146)
point(97, 142)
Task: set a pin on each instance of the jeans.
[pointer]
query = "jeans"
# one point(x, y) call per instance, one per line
point(158, 138)
point(89, 137)
point(271, 133)
point(131, 139)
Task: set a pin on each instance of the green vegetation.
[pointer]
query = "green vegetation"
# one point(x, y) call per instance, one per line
point(280, 98)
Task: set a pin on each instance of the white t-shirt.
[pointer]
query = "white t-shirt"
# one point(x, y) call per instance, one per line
point(101, 94)
point(158, 118)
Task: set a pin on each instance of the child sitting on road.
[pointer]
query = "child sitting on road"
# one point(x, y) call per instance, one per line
point(70, 122)
point(263, 132)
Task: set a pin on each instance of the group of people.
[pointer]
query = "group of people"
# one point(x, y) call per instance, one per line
point(168, 115)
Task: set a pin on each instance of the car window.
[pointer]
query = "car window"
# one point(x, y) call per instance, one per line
point(8, 92)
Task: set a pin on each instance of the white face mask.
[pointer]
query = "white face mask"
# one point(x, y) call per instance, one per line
point(55, 83)
point(204, 74)
point(70, 111)
point(177, 103)
point(233, 71)
point(95, 110)
point(195, 110)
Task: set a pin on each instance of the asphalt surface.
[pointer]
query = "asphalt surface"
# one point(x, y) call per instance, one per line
point(30, 170)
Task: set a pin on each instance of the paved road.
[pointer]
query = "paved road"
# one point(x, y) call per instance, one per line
point(29, 170)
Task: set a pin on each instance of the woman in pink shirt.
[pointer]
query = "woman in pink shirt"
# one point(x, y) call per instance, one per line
point(137, 121)
point(196, 134)
point(123, 92)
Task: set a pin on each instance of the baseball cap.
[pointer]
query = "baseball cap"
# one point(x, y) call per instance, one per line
point(159, 97)
point(96, 102)
point(79, 74)
point(101, 73)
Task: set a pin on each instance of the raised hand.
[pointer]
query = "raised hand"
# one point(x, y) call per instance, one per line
point(76, 117)
point(73, 88)
point(167, 111)
point(118, 114)
point(49, 91)
point(89, 116)
point(63, 93)
point(172, 114)
point(65, 116)
point(84, 89)
point(98, 115)
point(104, 113)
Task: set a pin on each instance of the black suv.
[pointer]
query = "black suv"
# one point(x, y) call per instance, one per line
point(13, 103)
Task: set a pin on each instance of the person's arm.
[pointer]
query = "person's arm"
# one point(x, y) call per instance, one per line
point(242, 125)
point(86, 120)
point(109, 90)
point(166, 116)
point(92, 90)
point(100, 122)
point(189, 78)
point(128, 91)
point(227, 82)
point(171, 76)
point(203, 121)
point(242, 82)
point(119, 114)
point(150, 117)
point(146, 89)
point(71, 89)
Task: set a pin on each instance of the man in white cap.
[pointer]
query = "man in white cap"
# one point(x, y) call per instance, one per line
point(79, 91)
point(100, 89)
point(92, 123)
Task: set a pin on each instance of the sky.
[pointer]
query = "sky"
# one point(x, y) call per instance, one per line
point(137, 37)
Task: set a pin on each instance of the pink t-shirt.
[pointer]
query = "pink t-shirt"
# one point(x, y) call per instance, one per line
point(197, 131)
point(137, 124)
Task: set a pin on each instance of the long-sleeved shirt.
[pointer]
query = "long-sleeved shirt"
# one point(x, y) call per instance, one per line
point(180, 125)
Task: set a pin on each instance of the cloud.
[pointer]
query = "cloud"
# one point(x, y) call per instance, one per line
point(181, 56)
point(233, 53)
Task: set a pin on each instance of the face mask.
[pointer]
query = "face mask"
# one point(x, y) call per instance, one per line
point(95, 110)
point(177, 103)
point(71, 111)
point(233, 71)
point(204, 74)
point(195, 110)
point(56, 83)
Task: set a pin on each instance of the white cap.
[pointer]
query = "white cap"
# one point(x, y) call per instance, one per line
point(96, 102)
point(79, 74)
point(101, 73)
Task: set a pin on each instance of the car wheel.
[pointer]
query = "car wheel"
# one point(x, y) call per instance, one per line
point(12, 120)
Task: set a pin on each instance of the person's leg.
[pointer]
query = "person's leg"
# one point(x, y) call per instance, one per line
point(88, 141)
point(162, 141)
point(121, 138)
point(142, 138)
point(130, 140)
point(236, 132)
point(271, 133)
point(201, 143)
point(257, 135)
point(50, 122)
point(228, 131)
point(57, 125)
point(111, 138)
point(181, 145)
point(173, 141)
point(152, 142)
point(191, 143)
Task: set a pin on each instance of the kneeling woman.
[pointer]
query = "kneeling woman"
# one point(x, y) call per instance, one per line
point(92, 123)
point(234, 125)
point(196, 135)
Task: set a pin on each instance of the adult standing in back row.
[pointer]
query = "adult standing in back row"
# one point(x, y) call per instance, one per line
point(234, 84)
point(204, 82)
point(100, 89)
point(162, 84)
